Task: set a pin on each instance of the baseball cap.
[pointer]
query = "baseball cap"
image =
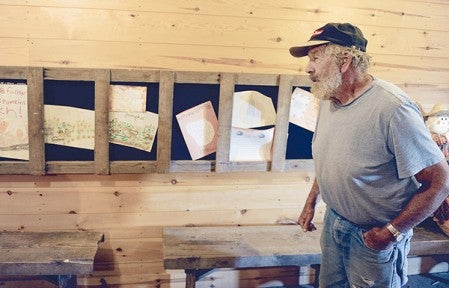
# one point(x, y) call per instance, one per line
point(344, 34)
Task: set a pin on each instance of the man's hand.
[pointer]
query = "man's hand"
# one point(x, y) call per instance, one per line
point(378, 238)
point(305, 219)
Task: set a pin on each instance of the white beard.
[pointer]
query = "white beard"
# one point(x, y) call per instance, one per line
point(328, 83)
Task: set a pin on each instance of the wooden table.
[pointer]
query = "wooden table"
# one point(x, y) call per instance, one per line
point(54, 256)
point(198, 250)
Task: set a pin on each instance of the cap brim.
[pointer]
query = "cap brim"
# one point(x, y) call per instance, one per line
point(303, 49)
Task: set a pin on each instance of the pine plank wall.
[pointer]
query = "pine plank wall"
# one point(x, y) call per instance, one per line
point(409, 42)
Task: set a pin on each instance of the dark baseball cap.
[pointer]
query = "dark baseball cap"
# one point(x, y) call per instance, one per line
point(343, 34)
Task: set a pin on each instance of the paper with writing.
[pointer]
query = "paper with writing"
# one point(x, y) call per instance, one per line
point(133, 129)
point(69, 126)
point(14, 121)
point(126, 98)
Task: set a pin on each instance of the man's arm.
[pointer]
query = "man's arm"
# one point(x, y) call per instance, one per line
point(308, 211)
point(433, 191)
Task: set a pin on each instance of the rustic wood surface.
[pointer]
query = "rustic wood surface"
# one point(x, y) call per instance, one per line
point(264, 246)
point(240, 247)
point(48, 253)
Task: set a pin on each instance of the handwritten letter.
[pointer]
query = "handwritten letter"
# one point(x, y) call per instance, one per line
point(126, 98)
point(14, 121)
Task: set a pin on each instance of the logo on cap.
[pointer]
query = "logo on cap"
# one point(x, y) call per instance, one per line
point(317, 32)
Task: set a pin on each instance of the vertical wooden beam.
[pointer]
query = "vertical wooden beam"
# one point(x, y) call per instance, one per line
point(227, 86)
point(164, 135)
point(35, 91)
point(282, 122)
point(101, 158)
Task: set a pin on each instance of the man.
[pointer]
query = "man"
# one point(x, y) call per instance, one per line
point(377, 168)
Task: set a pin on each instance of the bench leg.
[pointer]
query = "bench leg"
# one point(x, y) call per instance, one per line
point(193, 275)
point(316, 267)
point(67, 281)
point(190, 278)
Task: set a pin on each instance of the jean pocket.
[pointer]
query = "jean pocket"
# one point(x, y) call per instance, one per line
point(361, 241)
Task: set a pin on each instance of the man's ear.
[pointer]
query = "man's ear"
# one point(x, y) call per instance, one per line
point(345, 62)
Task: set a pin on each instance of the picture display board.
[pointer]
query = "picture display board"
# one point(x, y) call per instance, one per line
point(103, 121)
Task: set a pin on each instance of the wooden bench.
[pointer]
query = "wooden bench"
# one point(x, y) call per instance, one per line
point(58, 257)
point(198, 250)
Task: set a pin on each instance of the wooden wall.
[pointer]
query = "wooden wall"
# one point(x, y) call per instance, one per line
point(409, 42)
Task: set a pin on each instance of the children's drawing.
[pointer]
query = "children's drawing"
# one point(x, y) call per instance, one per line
point(125, 98)
point(69, 126)
point(199, 127)
point(251, 144)
point(133, 129)
point(252, 109)
point(304, 109)
point(14, 121)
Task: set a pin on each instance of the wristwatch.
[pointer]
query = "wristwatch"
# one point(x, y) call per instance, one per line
point(397, 235)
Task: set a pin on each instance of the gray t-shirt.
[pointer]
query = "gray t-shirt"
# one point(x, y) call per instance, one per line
point(367, 153)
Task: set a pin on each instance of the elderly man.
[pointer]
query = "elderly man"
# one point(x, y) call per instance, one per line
point(377, 168)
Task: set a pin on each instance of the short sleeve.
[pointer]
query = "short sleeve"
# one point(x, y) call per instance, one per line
point(411, 142)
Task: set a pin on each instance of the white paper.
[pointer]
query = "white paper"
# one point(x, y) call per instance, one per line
point(126, 98)
point(251, 144)
point(133, 129)
point(304, 109)
point(69, 126)
point(14, 121)
point(252, 109)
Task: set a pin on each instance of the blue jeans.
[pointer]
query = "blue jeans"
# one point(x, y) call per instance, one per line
point(348, 263)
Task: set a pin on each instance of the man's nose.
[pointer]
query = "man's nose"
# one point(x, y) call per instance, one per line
point(309, 69)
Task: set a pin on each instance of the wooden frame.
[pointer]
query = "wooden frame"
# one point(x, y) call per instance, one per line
point(37, 165)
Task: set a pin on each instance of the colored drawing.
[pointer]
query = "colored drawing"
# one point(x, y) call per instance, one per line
point(69, 126)
point(133, 129)
point(14, 121)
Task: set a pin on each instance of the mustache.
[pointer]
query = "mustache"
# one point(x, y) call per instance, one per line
point(313, 78)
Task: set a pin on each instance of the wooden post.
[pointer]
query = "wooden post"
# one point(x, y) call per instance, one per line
point(35, 83)
point(166, 87)
point(101, 159)
point(282, 122)
point(227, 83)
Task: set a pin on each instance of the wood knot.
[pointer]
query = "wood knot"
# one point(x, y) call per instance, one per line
point(9, 192)
point(116, 193)
point(174, 181)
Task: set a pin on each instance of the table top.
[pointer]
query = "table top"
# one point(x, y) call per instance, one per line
point(48, 253)
point(240, 247)
point(264, 246)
